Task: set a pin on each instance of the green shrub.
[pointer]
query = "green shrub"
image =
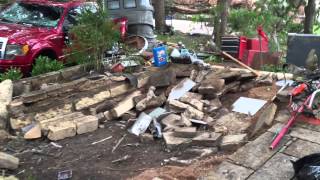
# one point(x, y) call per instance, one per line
point(44, 65)
point(12, 73)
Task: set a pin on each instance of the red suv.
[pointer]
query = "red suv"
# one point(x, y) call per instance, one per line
point(33, 28)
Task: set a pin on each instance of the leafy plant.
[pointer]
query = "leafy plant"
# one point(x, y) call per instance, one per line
point(44, 65)
point(12, 73)
point(94, 34)
point(273, 68)
point(214, 59)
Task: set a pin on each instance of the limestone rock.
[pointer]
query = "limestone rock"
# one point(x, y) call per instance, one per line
point(62, 130)
point(8, 161)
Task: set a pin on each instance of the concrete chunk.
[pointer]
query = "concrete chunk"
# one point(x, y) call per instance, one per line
point(96, 99)
point(177, 106)
point(207, 139)
point(62, 131)
point(125, 105)
point(6, 91)
point(87, 124)
point(173, 142)
point(172, 122)
point(33, 133)
point(185, 132)
point(8, 161)
point(232, 142)
point(211, 86)
point(56, 120)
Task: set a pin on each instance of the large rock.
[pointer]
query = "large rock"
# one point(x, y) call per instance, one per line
point(173, 142)
point(207, 139)
point(6, 91)
point(232, 142)
point(8, 161)
point(62, 131)
point(266, 117)
point(125, 105)
point(87, 124)
point(211, 86)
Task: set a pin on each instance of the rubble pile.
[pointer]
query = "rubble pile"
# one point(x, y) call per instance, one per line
point(179, 103)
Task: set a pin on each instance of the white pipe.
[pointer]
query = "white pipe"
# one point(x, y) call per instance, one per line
point(312, 98)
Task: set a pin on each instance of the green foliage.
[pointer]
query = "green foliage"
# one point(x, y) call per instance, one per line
point(44, 65)
point(214, 59)
point(273, 68)
point(12, 73)
point(94, 34)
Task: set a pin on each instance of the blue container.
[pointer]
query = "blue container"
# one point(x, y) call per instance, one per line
point(160, 56)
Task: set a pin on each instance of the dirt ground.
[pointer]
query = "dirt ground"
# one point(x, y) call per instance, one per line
point(42, 160)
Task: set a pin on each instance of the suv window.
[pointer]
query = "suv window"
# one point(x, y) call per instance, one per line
point(74, 13)
point(130, 4)
point(113, 4)
point(33, 14)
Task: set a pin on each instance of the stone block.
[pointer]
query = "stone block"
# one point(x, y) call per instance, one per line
point(34, 96)
point(233, 142)
point(185, 132)
point(8, 161)
point(125, 105)
point(266, 117)
point(193, 113)
point(233, 123)
point(279, 167)
point(86, 124)
point(56, 120)
point(207, 139)
point(171, 122)
point(211, 86)
point(120, 89)
point(177, 106)
point(173, 142)
point(62, 130)
point(86, 102)
point(228, 171)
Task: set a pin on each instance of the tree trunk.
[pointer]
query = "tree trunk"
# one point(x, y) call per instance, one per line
point(310, 11)
point(220, 21)
point(159, 7)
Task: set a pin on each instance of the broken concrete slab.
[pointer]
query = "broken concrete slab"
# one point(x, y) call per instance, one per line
point(301, 148)
point(125, 105)
point(207, 139)
point(233, 142)
point(201, 76)
point(233, 124)
point(151, 102)
point(185, 132)
point(8, 161)
point(255, 153)
point(211, 86)
point(162, 78)
point(173, 142)
point(305, 134)
point(86, 124)
point(191, 95)
point(177, 106)
point(193, 102)
point(120, 89)
point(229, 171)
point(266, 117)
point(193, 113)
point(279, 167)
point(62, 130)
point(212, 105)
point(171, 122)
point(34, 96)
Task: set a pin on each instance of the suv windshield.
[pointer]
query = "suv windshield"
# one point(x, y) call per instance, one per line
point(33, 14)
